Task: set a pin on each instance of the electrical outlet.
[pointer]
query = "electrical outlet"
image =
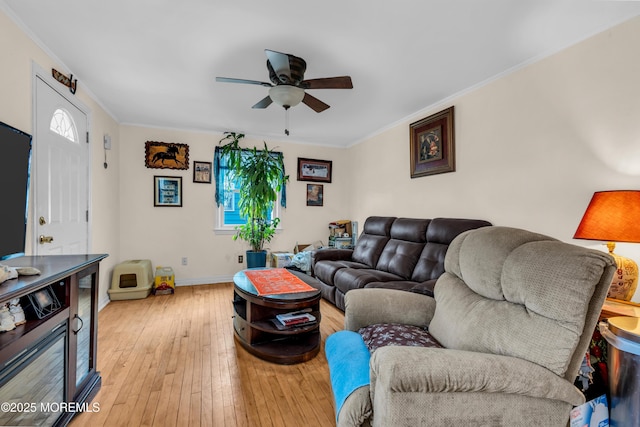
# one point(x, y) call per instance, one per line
point(240, 259)
point(185, 260)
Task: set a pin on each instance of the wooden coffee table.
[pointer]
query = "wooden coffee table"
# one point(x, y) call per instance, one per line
point(254, 328)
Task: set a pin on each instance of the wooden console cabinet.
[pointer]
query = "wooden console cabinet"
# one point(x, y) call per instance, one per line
point(48, 365)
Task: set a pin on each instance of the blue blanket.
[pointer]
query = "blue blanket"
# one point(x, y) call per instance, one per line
point(348, 358)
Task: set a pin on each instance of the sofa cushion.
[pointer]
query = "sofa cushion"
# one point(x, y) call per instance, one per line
point(399, 257)
point(440, 233)
point(352, 278)
point(375, 235)
point(430, 264)
point(326, 270)
point(487, 283)
point(401, 253)
point(410, 229)
point(384, 334)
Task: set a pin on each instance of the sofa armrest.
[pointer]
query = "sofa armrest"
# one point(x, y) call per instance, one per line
point(331, 255)
point(437, 370)
point(364, 307)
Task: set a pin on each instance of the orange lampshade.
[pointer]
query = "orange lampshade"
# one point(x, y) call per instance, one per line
point(612, 216)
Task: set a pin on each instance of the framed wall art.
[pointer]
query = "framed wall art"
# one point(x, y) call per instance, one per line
point(166, 155)
point(167, 191)
point(202, 172)
point(432, 145)
point(314, 170)
point(315, 194)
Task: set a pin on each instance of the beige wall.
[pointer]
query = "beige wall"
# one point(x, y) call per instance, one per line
point(167, 234)
point(531, 147)
point(18, 55)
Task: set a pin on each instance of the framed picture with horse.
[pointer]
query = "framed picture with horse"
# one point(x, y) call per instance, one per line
point(166, 155)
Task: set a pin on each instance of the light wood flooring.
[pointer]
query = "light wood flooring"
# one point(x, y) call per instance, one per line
point(172, 361)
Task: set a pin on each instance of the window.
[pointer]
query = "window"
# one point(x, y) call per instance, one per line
point(227, 213)
point(62, 124)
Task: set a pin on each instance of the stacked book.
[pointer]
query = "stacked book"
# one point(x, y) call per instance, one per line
point(294, 319)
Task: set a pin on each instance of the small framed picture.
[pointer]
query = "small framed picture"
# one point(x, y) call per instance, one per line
point(315, 194)
point(202, 172)
point(166, 155)
point(167, 191)
point(432, 144)
point(314, 170)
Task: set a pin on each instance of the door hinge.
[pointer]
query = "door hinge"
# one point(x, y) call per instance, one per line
point(87, 137)
point(87, 215)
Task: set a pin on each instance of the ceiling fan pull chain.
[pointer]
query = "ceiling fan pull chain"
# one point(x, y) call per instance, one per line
point(286, 121)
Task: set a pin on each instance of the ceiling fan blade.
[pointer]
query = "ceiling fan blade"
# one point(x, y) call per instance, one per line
point(343, 82)
point(243, 81)
point(314, 103)
point(280, 63)
point(263, 103)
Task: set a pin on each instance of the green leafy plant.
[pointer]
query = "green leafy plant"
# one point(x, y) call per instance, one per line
point(260, 176)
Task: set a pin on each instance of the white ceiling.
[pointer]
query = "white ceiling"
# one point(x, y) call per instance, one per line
point(154, 62)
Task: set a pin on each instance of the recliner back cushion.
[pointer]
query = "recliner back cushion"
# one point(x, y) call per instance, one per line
point(401, 253)
point(516, 293)
point(375, 235)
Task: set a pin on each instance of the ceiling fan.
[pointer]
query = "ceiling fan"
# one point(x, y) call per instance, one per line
point(288, 86)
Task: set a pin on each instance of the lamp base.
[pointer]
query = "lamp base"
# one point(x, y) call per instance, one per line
point(625, 280)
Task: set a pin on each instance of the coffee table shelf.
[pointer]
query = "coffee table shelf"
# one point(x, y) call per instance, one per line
point(255, 331)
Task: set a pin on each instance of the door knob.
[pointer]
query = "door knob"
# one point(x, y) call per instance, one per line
point(45, 239)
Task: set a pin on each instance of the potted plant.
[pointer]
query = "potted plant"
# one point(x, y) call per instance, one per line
point(259, 175)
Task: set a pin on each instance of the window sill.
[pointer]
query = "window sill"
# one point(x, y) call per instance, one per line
point(232, 231)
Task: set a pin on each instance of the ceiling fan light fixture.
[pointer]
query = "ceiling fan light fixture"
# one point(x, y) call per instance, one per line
point(286, 95)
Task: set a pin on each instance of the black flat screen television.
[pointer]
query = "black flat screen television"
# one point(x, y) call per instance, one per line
point(15, 167)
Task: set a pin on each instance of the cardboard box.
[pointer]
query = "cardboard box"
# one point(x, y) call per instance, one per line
point(338, 228)
point(309, 247)
point(281, 259)
point(593, 413)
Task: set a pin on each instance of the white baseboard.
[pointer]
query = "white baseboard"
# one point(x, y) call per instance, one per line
point(187, 282)
point(204, 280)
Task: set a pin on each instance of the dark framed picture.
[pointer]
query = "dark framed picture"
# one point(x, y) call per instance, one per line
point(315, 194)
point(432, 144)
point(167, 191)
point(314, 170)
point(202, 172)
point(166, 155)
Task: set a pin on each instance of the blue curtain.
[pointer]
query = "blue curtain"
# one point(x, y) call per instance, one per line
point(220, 168)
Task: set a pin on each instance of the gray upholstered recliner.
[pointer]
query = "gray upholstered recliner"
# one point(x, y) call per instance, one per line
point(514, 311)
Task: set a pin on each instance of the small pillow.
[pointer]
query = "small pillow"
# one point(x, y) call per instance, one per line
point(383, 334)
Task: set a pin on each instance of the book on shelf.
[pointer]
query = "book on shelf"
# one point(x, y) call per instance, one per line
point(295, 318)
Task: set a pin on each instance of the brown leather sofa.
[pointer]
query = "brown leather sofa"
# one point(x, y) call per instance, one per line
point(393, 253)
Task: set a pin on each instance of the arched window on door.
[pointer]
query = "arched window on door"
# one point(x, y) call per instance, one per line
point(62, 124)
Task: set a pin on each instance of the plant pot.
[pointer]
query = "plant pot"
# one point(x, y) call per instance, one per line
point(256, 259)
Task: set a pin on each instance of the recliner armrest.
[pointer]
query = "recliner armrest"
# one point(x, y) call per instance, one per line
point(437, 370)
point(331, 255)
point(364, 307)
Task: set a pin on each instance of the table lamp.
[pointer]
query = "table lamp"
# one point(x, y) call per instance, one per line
point(614, 216)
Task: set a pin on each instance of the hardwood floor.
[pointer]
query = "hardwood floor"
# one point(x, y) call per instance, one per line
point(172, 361)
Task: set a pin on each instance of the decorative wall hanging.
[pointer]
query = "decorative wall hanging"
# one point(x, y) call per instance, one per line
point(67, 81)
point(314, 170)
point(167, 191)
point(166, 155)
point(432, 144)
point(202, 172)
point(315, 194)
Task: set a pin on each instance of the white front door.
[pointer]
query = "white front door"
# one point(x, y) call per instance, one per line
point(61, 155)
